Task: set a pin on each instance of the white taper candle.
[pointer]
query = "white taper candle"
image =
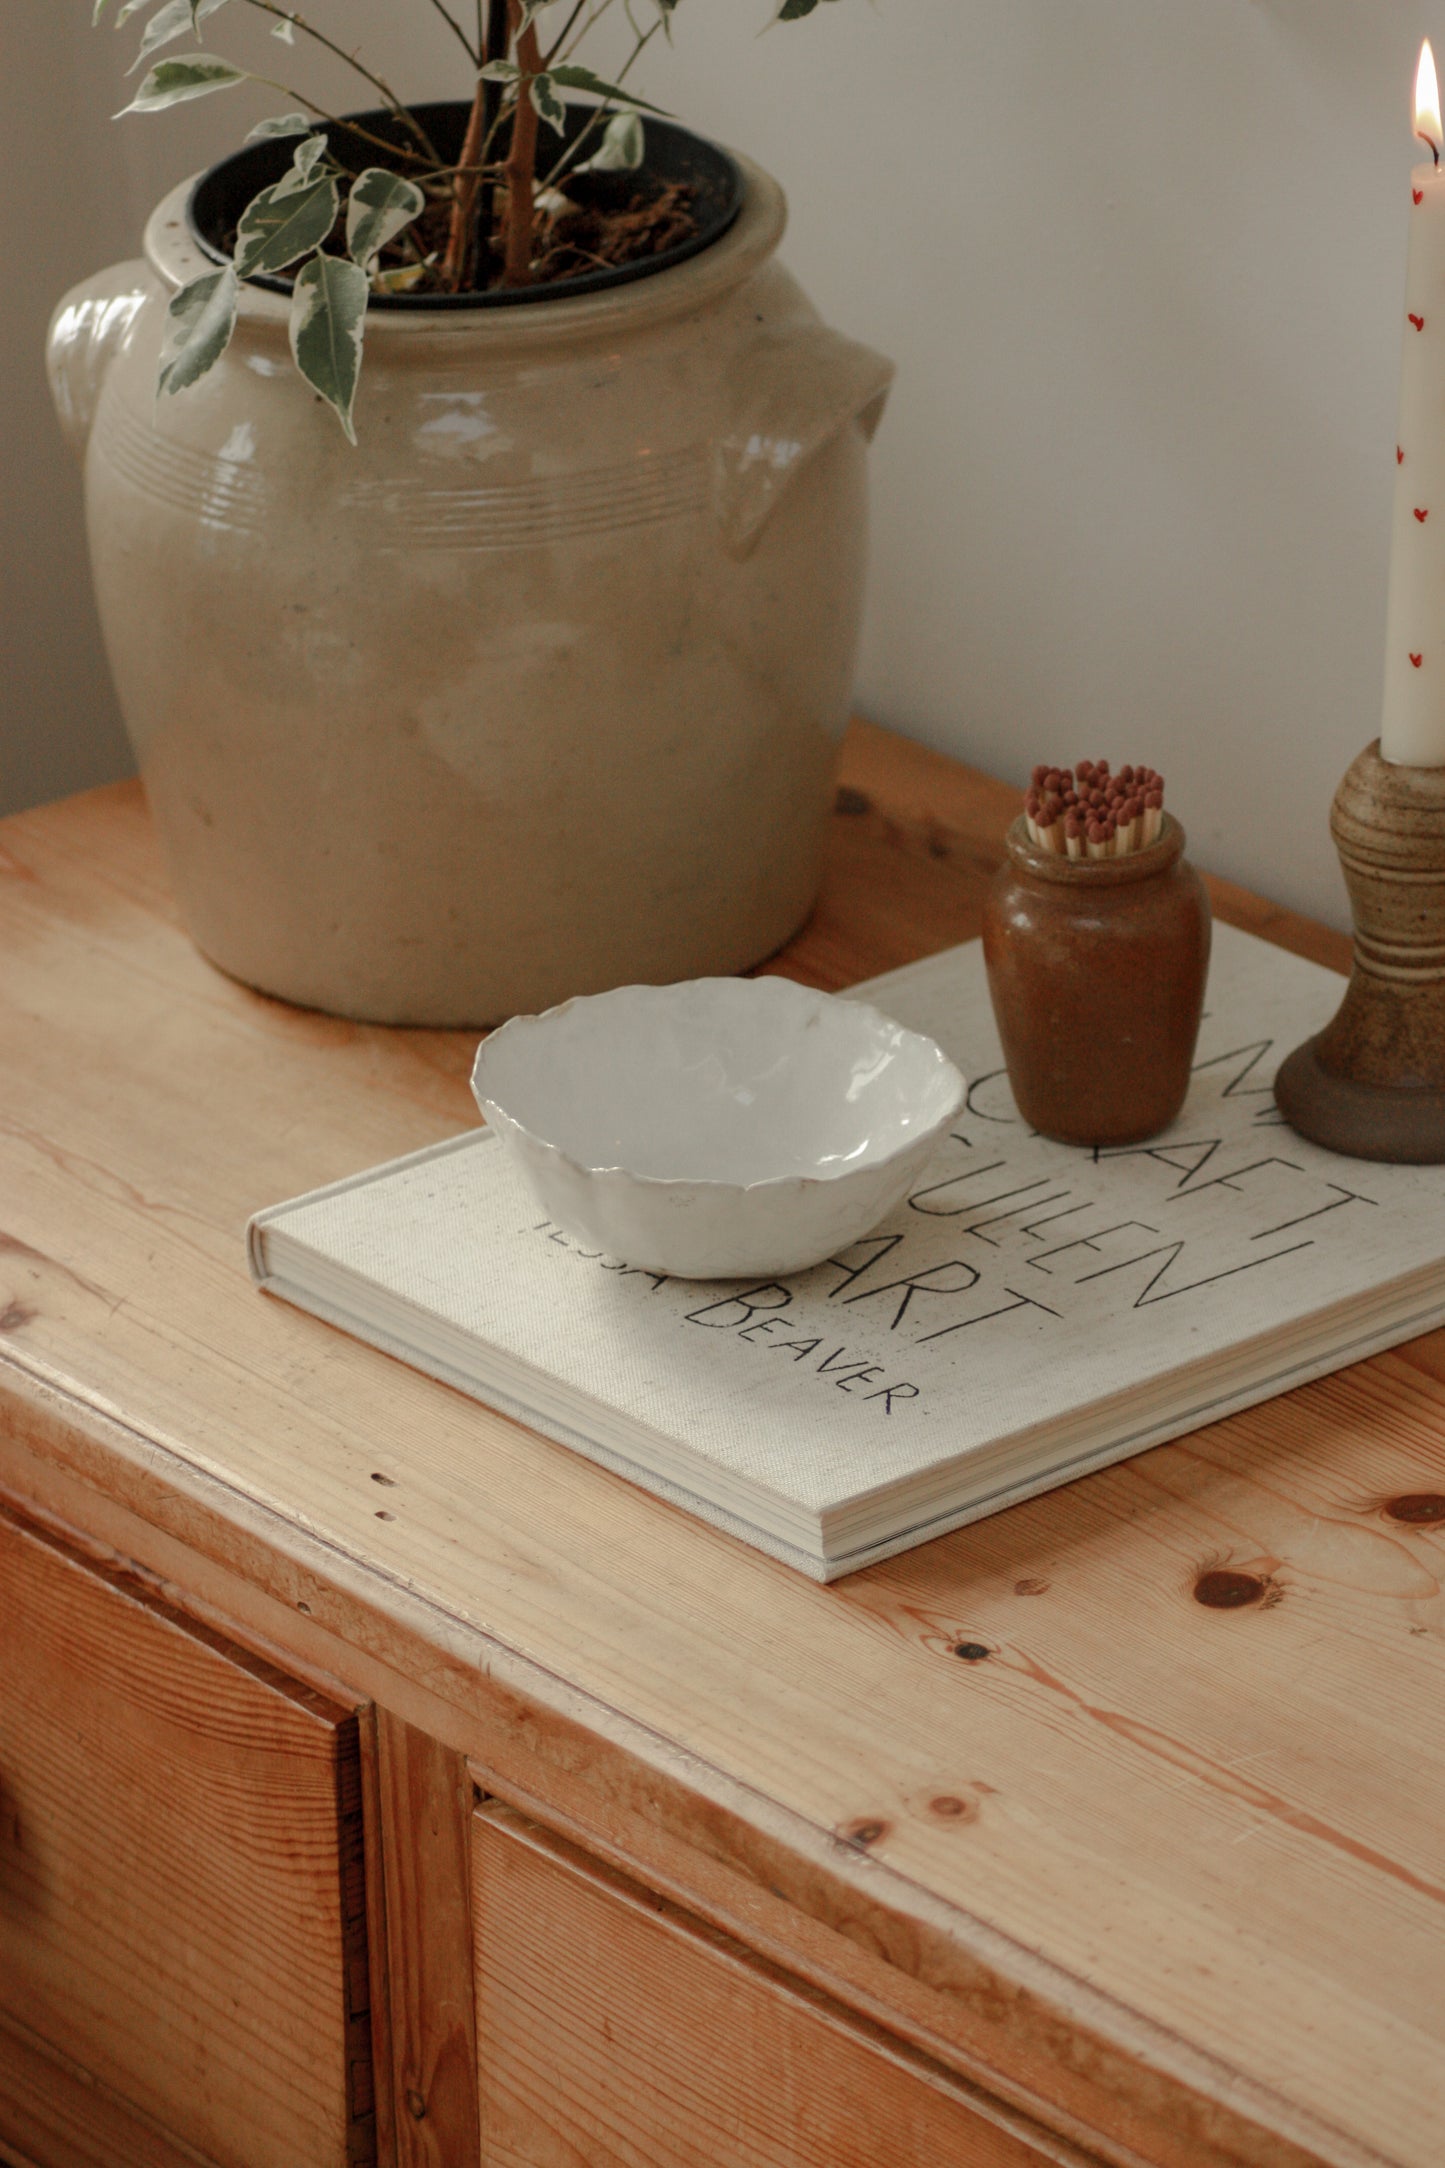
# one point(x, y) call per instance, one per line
point(1412, 729)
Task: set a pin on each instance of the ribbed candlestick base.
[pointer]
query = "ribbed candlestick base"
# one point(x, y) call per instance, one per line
point(1372, 1083)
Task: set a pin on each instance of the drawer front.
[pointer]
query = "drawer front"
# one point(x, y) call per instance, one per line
point(182, 1899)
point(615, 2032)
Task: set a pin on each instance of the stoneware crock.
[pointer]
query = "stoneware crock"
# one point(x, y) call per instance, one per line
point(1097, 968)
point(536, 690)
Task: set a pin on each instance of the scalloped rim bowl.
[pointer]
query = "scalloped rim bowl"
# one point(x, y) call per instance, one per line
point(718, 1128)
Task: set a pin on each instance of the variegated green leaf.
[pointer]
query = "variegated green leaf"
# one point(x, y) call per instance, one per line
point(303, 167)
point(285, 30)
point(199, 323)
point(380, 204)
point(125, 11)
point(283, 124)
point(173, 21)
point(542, 92)
point(275, 229)
point(573, 77)
point(328, 314)
point(400, 280)
point(500, 71)
point(170, 82)
point(622, 149)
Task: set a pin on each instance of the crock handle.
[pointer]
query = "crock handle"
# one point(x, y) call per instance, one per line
point(790, 390)
point(86, 332)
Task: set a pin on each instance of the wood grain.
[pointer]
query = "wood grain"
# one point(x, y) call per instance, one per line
point(425, 1799)
point(612, 2029)
point(69, 2120)
point(175, 1915)
point(1187, 1894)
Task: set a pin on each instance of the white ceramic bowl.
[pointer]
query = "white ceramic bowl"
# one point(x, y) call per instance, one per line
point(717, 1128)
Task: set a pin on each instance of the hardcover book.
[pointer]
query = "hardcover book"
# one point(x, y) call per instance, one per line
point(1031, 1312)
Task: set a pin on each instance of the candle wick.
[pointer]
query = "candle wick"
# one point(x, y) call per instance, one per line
point(1434, 146)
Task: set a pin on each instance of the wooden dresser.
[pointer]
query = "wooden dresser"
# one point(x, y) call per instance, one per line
point(380, 1782)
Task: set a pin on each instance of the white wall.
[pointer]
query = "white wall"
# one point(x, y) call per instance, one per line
point(1141, 264)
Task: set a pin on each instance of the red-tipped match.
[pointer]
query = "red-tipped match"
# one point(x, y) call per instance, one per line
point(1093, 805)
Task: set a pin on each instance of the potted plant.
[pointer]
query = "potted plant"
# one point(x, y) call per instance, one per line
point(512, 662)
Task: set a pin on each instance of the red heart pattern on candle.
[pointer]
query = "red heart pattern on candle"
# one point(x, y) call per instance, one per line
point(1399, 457)
point(1421, 516)
point(1417, 660)
point(1418, 194)
point(1418, 322)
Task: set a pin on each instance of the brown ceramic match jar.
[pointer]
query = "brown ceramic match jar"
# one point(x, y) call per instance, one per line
point(1096, 968)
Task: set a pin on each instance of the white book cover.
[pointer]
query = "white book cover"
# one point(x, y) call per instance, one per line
point(1031, 1312)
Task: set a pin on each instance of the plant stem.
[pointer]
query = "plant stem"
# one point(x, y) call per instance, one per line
point(555, 48)
point(522, 157)
point(464, 193)
point(499, 34)
point(348, 127)
point(578, 34)
point(601, 112)
point(457, 31)
point(398, 110)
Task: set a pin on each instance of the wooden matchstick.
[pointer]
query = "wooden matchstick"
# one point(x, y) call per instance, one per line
point(1088, 812)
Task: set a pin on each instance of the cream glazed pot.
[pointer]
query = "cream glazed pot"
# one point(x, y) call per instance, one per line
point(536, 691)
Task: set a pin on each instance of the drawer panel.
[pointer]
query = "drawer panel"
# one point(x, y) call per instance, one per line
point(71, 2122)
point(182, 1894)
point(613, 2031)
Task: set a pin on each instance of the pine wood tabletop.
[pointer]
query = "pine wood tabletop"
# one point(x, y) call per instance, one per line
point(1128, 1799)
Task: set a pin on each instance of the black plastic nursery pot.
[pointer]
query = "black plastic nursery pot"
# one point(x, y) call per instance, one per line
point(673, 154)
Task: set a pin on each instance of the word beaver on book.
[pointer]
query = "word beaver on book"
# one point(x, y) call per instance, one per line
point(1033, 1310)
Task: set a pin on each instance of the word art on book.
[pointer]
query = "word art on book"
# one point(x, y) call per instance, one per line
point(1008, 1227)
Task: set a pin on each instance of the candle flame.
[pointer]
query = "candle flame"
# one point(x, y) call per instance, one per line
point(1427, 103)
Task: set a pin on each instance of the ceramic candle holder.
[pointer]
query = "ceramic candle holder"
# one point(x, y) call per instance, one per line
point(1372, 1083)
point(1096, 968)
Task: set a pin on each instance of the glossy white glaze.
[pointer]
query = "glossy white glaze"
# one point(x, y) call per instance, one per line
point(720, 1127)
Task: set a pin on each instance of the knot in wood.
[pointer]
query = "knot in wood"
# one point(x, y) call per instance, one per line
point(1223, 1590)
point(870, 1830)
point(1421, 1509)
